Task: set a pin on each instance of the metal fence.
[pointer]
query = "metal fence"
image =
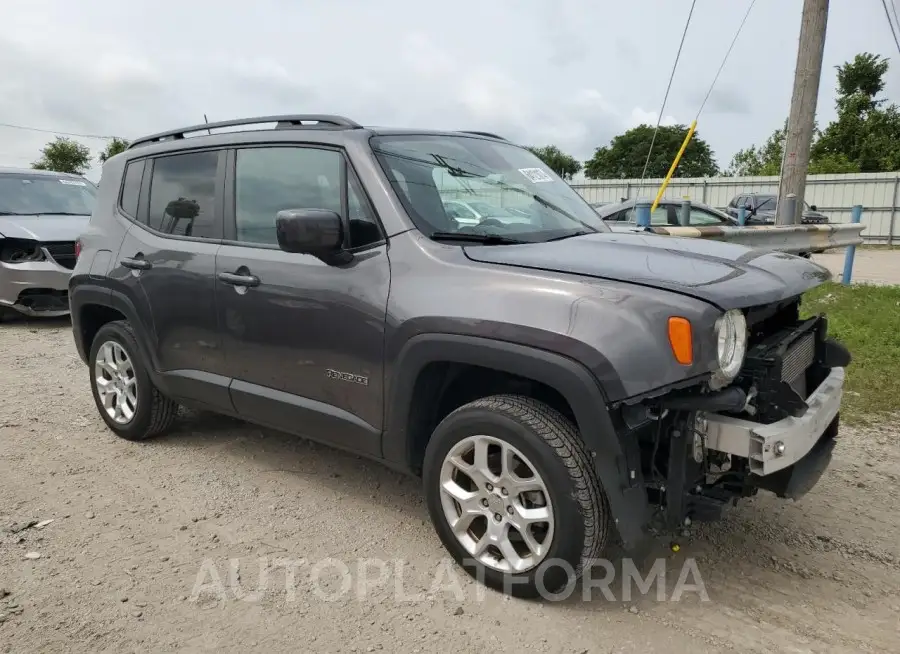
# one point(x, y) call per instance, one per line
point(834, 195)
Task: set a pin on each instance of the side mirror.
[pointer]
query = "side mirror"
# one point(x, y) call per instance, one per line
point(318, 232)
point(812, 207)
point(748, 206)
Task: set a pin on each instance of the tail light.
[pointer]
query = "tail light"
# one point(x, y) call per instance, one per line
point(77, 248)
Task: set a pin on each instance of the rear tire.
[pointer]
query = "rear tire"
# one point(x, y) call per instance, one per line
point(549, 556)
point(129, 403)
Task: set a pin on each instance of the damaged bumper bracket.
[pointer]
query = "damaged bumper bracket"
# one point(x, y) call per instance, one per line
point(777, 446)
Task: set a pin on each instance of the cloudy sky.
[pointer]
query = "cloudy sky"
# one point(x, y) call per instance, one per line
point(569, 72)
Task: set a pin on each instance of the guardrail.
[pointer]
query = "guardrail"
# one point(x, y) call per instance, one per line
point(791, 238)
point(784, 238)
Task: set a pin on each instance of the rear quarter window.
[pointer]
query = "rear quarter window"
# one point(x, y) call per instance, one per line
point(131, 187)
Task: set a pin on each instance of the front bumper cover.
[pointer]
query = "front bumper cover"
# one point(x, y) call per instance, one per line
point(35, 289)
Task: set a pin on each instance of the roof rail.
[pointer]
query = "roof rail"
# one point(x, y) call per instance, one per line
point(282, 122)
point(488, 134)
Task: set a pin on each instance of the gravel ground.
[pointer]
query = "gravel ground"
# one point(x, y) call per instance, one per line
point(135, 527)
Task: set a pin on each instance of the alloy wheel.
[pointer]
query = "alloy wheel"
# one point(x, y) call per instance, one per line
point(115, 381)
point(496, 504)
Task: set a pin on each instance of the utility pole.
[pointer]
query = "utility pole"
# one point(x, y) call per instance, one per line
point(802, 116)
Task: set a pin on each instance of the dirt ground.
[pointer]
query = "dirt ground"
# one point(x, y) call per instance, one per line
point(135, 527)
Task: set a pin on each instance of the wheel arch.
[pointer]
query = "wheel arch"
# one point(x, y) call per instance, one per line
point(617, 463)
point(91, 307)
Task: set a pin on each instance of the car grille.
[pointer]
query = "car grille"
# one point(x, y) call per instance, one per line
point(62, 253)
point(797, 360)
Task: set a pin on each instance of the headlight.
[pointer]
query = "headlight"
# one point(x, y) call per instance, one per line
point(731, 344)
point(16, 250)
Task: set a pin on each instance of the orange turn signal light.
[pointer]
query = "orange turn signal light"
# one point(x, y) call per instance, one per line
point(681, 339)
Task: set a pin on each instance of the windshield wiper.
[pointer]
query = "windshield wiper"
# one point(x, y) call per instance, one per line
point(483, 239)
point(580, 232)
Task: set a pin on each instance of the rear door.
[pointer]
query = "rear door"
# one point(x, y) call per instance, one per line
point(167, 264)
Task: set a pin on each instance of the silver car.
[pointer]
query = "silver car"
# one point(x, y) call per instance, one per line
point(42, 213)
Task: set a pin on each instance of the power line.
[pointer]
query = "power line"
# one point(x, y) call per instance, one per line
point(887, 14)
point(53, 131)
point(668, 88)
point(894, 9)
point(733, 41)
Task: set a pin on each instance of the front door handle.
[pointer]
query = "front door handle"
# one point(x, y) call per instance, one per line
point(136, 264)
point(235, 279)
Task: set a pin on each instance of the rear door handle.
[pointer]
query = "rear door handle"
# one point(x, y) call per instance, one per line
point(136, 264)
point(238, 280)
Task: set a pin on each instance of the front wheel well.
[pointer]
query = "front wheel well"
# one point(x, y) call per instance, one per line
point(441, 387)
point(91, 318)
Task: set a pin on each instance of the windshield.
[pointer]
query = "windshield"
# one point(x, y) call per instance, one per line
point(513, 192)
point(768, 203)
point(24, 194)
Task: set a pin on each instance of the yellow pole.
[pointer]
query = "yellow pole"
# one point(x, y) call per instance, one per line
point(662, 189)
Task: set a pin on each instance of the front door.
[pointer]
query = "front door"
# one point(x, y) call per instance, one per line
point(304, 341)
point(167, 264)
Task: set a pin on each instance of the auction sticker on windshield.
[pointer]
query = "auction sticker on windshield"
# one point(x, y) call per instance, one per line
point(535, 175)
point(69, 182)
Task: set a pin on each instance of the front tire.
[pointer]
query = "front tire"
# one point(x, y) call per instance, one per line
point(514, 496)
point(130, 405)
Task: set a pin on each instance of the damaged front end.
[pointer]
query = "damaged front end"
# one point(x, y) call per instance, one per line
point(773, 426)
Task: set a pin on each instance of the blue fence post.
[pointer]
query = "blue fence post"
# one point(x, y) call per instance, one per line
point(742, 215)
point(642, 213)
point(851, 250)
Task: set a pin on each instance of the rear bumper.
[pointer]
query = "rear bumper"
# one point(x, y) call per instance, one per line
point(787, 456)
point(35, 289)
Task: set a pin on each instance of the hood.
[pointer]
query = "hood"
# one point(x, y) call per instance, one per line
point(726, 275)
point(44, 227)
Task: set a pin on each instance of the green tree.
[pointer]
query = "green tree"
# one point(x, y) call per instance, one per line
point(64, 155)
point(564, 165)
point(866, 131)
point(624, 157)
point(766, 159)
point(865, 137)
point(114, 147)
point(763, 160)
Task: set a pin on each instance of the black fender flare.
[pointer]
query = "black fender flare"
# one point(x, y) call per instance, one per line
point(614, 460)
point(84, 294)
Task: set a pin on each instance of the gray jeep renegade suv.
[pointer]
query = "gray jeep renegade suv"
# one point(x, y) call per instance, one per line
point(553, 384)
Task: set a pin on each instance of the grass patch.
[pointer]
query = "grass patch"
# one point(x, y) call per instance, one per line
point(865, 318)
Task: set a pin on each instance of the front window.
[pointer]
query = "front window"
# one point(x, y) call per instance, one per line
point(26, 194)
point(517, 198)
